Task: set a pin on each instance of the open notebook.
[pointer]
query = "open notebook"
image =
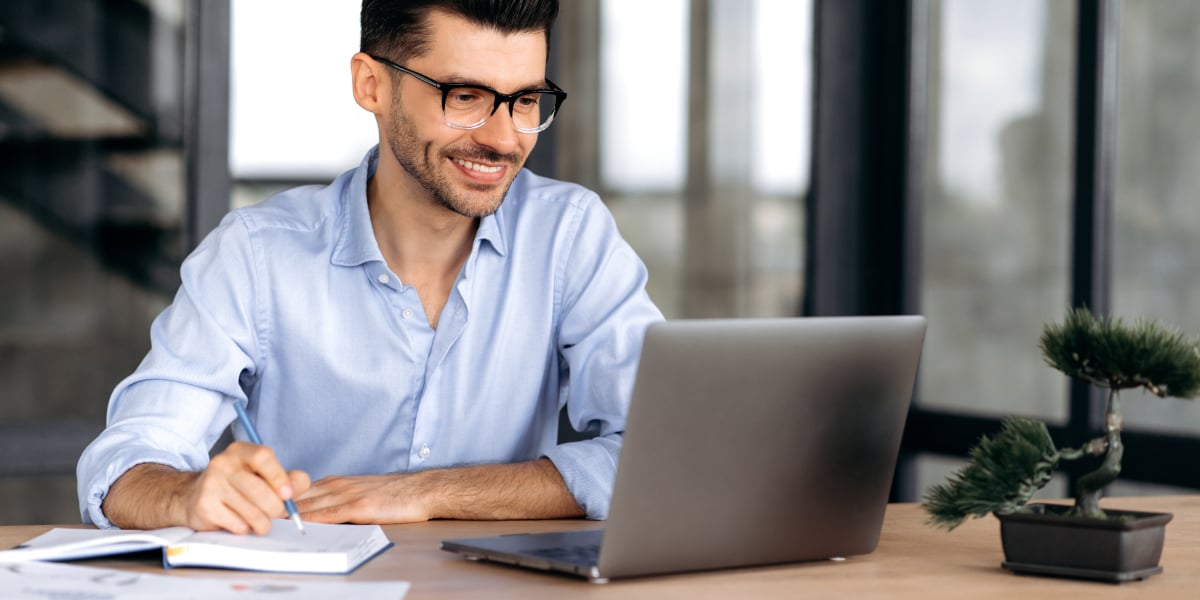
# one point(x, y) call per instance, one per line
point(333, 549)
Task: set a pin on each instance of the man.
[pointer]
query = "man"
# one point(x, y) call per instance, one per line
point(405, 337)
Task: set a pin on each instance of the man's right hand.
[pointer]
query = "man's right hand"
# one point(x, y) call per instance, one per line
point(242, 489)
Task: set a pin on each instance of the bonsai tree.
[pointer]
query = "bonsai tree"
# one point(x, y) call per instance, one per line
point(1004, 472)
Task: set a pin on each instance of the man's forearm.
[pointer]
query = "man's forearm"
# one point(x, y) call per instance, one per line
point(529, 490)
point(146, 497)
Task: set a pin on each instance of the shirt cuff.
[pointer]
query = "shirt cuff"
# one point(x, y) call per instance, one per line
point(589, 468)
point(97, 488)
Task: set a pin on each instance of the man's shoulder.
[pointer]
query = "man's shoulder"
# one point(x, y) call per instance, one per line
point(301, 209)
point(544, 197)
point(309, 209)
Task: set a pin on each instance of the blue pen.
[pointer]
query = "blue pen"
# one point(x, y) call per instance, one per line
point(248, 425)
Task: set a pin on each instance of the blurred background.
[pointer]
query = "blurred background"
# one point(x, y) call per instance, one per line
point(986, 163)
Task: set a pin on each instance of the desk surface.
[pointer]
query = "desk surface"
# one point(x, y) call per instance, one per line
point(913, 561)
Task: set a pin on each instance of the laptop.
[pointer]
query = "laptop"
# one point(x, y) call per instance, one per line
point(748, 442)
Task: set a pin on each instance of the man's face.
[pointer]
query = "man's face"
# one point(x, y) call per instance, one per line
point(467, 172)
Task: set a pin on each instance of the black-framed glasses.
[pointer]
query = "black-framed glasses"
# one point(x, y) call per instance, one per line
point(469, 106)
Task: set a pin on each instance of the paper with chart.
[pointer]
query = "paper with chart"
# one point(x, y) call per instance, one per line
point(55, 581)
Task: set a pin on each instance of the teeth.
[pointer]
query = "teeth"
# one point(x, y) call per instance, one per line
point(478, 167)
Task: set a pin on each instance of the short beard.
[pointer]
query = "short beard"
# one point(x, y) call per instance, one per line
point(409, 150)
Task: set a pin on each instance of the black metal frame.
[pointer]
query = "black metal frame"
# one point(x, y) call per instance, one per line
point(863, 225)
point(866, 204)
point(1095, 160)
point(206, 116)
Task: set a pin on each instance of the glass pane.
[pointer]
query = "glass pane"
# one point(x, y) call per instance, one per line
point(643, 102)
point(996, 243)
point(1157, 212)
point(779, 157)
point(711, 202)
point(91, 218)
point(292, 116)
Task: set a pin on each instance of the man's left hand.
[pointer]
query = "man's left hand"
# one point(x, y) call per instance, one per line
point(528, 490)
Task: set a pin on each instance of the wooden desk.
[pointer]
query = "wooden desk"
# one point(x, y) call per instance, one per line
point(913, 561)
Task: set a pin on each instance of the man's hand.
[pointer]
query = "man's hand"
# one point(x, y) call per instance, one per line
point(242, 489)
point(400, 498)
point(530, 490)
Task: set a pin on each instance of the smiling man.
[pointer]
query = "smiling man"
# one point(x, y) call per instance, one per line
point(405, 337)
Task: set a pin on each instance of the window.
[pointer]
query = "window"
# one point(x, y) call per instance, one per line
point(1021, 195)
point(1157, 200)
point(998, 203)
point(704, 137)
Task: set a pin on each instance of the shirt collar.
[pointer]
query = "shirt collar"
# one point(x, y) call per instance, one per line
point(491, 232)
point(356, 242)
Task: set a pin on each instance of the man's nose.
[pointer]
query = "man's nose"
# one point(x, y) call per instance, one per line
point(499, 133)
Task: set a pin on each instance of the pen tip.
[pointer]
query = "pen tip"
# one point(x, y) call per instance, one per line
point(299, 523)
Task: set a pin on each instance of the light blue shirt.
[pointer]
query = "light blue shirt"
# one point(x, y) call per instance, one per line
point(290, 306)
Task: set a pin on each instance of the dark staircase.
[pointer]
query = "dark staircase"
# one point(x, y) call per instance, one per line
point(91, 129)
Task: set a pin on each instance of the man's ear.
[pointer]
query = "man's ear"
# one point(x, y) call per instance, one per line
point(371, 90)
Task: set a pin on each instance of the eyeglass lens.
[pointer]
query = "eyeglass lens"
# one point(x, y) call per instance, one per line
point(468, 107)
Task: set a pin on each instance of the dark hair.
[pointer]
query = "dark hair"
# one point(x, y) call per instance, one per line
point(399, 29)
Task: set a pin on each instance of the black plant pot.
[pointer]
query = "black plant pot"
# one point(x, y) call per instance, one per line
point(1045, 541)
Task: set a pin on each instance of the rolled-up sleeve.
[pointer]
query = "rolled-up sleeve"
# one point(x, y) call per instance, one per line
point(172, 409)
point(605, 311)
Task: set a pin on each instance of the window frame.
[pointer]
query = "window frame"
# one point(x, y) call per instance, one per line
point(866, 207)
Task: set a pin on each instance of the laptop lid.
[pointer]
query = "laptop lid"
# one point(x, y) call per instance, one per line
point(750, 442)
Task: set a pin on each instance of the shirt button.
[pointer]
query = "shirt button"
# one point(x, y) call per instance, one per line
point(406, 313)
point(424, 451)
point(383, 278)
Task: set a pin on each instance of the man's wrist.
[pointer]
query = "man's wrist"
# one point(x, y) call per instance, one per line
point(148, 496)
point(429, 490)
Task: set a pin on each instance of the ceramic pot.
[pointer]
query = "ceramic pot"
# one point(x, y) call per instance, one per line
point(1045, 541)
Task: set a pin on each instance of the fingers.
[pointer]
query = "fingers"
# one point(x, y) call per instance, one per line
point(217, 503)
point(333, 500)
point(362, 499)
point(242, 489)
point(300, 483)
point(262, 462)
point(217, 508)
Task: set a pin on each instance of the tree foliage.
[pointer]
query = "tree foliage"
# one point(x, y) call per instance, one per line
point(1003, 473)
point(1109, 353)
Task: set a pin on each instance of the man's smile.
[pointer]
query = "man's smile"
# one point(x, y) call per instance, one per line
point(481, 168)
